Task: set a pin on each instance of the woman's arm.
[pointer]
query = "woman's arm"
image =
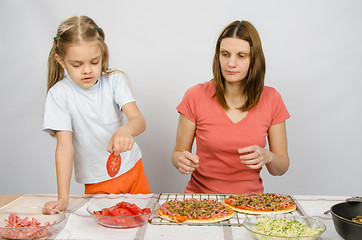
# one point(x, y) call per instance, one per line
point(277, 159)
point(278, 145)
point(182, 158)
point(122, 140)
point(64, 166)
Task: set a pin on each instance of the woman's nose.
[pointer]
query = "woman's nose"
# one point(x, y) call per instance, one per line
point(232, 62)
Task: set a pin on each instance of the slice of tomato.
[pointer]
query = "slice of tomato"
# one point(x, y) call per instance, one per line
point(121, 212)
point(113, 164)
point(146, 210)
point(131, 207)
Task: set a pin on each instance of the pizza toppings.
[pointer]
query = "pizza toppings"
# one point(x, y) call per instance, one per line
point(19, 228)
point(357, 219)
point(260, 202)
point(123, 209)
point(281, 227)
point(193, 210)
point(113, 164)
point(123, 214)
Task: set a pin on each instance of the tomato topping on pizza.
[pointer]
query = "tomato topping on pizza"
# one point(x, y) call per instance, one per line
point(259, 203)
point(113, 164)
point(195, 211)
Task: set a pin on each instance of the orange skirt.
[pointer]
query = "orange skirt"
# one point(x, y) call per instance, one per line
point(134, 181)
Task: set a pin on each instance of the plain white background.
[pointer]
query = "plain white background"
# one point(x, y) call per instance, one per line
point(313, 50)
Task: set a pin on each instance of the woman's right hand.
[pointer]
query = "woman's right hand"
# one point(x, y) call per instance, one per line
point(60, 205)
point(188, 162)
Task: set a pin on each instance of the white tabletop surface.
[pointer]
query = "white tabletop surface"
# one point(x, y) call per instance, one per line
point(79, 225)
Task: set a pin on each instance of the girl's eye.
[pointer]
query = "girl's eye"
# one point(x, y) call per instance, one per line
point(76, 66)
point(94, 63)
point(224, 54)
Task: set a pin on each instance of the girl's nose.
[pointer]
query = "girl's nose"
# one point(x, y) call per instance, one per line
point(87, 69)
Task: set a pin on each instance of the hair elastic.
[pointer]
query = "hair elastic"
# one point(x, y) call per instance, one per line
point(96, 28)
point(55, 40)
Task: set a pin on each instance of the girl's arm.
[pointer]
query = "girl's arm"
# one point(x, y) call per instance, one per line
point(277, 159)
point(122, 139)
point(64, 165)
point(182, 158)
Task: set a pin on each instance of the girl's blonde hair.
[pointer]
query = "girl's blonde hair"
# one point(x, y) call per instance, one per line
point(254, 81)
point(74, 30)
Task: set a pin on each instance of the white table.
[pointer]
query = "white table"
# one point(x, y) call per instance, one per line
point(78, 224)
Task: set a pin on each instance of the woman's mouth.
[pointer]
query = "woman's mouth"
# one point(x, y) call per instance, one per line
point(231, 72)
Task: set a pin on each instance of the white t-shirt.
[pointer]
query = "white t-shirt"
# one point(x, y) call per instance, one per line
point(92, 115)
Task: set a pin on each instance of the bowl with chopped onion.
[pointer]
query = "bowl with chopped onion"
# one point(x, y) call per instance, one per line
point(283, 227)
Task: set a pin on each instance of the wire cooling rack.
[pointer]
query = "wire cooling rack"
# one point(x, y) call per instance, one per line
point(236, 220)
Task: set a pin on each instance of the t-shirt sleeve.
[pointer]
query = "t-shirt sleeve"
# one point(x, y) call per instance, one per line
point(188, 104)
point(56, 114)
point(279, 110)
point(122, 91)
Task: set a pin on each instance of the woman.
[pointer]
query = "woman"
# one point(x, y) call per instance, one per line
point(230, 117)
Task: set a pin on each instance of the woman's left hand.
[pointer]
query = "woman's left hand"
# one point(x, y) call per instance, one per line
point(121, 141)
point(254, 156)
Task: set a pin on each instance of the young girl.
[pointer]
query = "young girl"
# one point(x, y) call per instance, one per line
point(230, 117)
point(86, 109)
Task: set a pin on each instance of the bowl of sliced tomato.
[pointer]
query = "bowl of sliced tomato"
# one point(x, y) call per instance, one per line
point(127, 213)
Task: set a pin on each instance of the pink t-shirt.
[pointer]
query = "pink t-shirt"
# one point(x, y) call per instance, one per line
point(218, 139)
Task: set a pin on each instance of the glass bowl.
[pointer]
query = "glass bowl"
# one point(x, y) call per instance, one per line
point(123, 221)
point(28, 223)
point(251, 221)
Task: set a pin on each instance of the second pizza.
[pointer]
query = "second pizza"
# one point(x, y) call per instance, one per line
point(261, 203)
point(195, 211)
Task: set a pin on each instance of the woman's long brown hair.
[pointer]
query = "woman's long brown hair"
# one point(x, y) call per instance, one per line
point(254, 81)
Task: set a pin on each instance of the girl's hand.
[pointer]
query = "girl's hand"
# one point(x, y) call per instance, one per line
point(60, 205)
point(188, 162)
point(121, 141)
point(254, 156)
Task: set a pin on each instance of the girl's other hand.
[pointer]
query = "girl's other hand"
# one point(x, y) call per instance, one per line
point(121, 141)
point(188, 162)
point(254, 156)
point(60, 205)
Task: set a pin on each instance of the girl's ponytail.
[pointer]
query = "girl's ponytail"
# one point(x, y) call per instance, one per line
point(55, 70)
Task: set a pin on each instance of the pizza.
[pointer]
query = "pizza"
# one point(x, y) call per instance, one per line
point(260, 203)
point(194, 211)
